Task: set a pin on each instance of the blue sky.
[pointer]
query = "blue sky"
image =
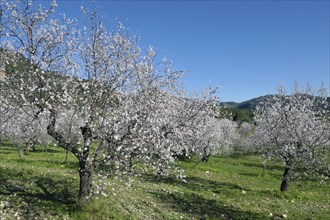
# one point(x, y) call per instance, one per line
point(247, 47)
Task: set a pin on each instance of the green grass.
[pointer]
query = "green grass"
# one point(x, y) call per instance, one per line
point(41, 186)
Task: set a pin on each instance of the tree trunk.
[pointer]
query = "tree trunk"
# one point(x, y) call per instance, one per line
point(284, 184)
point(66, 156)
point(19, 150)
point(86, 171)
point(205, 158)
point(263, 169)
point(27, 148)
point(85, 185)
point(67, 149)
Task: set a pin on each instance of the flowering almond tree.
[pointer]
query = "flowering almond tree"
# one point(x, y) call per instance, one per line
point(242, 143)
point(23, 130)
point(105, 100)
point(295, 129)
point(216, 137)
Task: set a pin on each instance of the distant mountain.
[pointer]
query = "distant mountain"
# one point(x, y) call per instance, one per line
point(251, 104)
point(230, 104)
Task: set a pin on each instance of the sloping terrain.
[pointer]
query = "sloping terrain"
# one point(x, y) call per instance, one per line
point(41, 186)
point(252, 103)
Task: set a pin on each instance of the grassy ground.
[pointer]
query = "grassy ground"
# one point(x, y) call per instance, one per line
point(41, 186)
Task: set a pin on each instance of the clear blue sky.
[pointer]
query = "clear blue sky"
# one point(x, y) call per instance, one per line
point(247, 47)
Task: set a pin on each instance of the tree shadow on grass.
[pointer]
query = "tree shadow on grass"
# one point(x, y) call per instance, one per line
point(11, 148)
point(267, 173)
point(195, 205)
point(7, 148)
point(4, 144)
point(1, 152)
point(40, 149)
point(192, 183)
point(249, 174)
point(39, 193)
point(197, 184)
point(260, 165)
point(202, 208)
point(57, 163)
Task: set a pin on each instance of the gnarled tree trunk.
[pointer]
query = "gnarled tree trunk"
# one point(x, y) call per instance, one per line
point(86, 171)
point(285, 179)
point(85, 185)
